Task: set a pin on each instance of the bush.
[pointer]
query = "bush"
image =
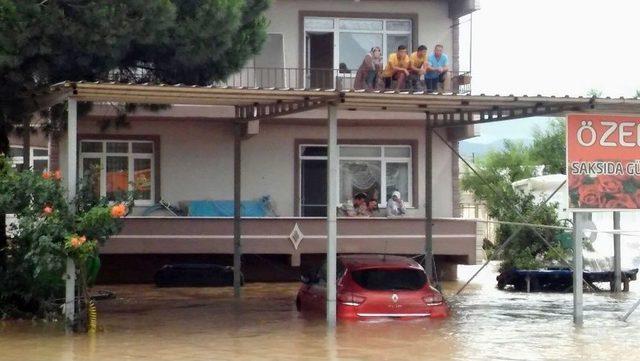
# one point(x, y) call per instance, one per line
point(48, 230)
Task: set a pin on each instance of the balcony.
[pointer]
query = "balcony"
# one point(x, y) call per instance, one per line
point(452, 237)
point(340, 79)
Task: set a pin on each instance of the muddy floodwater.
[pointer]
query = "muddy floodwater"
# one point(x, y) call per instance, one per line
point(147, 323)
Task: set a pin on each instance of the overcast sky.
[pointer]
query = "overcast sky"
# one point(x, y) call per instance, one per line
point(552, 47)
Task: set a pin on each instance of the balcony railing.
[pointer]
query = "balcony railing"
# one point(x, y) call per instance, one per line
point(339, 79)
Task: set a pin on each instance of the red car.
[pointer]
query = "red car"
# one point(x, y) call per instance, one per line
point(374, 286)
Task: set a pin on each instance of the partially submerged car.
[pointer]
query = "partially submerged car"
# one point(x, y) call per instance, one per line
point(374, 286)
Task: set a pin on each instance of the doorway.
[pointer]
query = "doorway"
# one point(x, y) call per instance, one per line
point(320, 60)
point(313, 202)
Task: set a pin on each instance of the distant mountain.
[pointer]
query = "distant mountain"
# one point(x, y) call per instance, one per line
point(470, 149)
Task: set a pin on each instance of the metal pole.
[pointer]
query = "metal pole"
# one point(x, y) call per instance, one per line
point(72, 146)
point(470, 42)
point(237, 231)
point(579, 220)
point(72, 163)
point(633, 308)
point(617, 261)
point(428, 208)
point(70, 294)
point(332, 205)
point(26, 143)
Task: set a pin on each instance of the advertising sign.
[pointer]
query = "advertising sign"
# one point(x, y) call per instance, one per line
point(603, 162)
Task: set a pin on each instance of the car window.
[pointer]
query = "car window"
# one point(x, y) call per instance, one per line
point(390, 279)
point(322, 271)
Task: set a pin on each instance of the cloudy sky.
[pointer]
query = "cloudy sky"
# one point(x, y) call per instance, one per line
point(552, 47)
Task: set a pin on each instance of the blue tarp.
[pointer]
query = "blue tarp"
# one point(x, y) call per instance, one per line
point(206, 208)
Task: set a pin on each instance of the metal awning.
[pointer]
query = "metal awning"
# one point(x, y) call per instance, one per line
point(442, 109)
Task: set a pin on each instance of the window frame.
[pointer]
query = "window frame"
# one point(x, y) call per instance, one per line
point(336, 30)
point(19, 160)
point(383, 159)
point(131, 157)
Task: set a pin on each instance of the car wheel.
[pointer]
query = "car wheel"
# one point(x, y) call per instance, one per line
point(298, 304)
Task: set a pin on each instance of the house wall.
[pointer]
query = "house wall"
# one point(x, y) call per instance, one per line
point(196, 159)
point(433, 22)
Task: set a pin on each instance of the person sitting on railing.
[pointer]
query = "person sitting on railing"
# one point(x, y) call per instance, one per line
point(418, 67)
point(369, 71)
point(397, 68)
point(438, 68)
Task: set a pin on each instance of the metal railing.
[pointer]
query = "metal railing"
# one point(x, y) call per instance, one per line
point(339, 79)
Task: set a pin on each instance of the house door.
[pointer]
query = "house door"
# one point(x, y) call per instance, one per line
point(313, 202)
point(320, 60)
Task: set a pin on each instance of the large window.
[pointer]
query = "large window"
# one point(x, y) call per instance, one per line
point(353, 38)
point(377, 170)
point(38, 161)
point(122, 166)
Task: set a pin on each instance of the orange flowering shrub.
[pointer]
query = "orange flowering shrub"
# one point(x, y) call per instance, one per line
point(604, 191)
point(119, 210)
point(79, 248)
point(49, 230)
point(57, 175)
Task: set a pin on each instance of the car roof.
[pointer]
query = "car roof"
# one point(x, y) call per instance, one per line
point(361, 261)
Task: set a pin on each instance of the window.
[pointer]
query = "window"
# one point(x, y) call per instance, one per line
point(122, 166)
point(377, 170)
point(353, 38)
point(384, 279)
point(38, 160)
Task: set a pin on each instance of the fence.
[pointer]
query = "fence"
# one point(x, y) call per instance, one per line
point(317, 78)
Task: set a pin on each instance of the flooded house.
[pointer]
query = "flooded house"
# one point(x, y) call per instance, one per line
point(183, 155)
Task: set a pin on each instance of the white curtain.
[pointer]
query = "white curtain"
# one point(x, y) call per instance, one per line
point(359, 176)
point(398, 179)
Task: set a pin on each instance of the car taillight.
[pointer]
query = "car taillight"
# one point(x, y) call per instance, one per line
point(350, 299)
point(433, 299)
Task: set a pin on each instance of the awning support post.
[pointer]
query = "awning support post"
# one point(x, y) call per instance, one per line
point(579, 221)
point(428, 210)
point(237, 231)
point(332, 205)
point(617, 256)
point(72, 165)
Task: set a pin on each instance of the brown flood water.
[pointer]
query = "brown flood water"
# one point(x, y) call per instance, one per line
point(146, 323)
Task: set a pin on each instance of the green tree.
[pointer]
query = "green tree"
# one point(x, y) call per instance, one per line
point(492, 185)
point(497, 170)
point(637, 93)
point(549, 147)
point(172, 41)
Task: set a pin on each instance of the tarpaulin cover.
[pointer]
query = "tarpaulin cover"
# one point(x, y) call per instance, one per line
point(207, 208)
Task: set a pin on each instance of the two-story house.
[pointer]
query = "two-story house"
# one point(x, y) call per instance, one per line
point(184, 154)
